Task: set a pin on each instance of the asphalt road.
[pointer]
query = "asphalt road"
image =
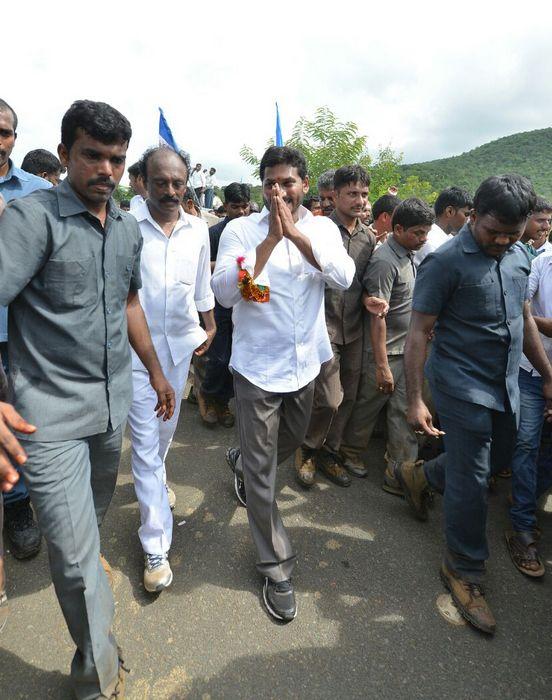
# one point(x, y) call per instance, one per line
point(367, 586)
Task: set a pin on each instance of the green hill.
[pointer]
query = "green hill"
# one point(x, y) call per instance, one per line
point(528, 153)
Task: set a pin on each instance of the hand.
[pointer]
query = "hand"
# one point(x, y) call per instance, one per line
point(384, 380)
point(286, 217)
point(275, 229)
point(166, 400)
point(547, 393)
point(374, 305)
point(419, 418)
point(9, 446)
point(202, 349)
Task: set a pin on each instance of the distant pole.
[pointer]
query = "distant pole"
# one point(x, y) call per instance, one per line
point(279, 140)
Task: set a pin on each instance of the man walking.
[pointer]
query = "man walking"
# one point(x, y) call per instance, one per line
point(336, 386)
point(20, 526)
point(471, 292)
point(198, 183)
point(390, 275)
point(272, 268)
point(176, 279)
point(70, 271)
point(217, 386)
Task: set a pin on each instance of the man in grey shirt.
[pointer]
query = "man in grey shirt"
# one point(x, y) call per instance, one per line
point(389, 275)
point(70, 271)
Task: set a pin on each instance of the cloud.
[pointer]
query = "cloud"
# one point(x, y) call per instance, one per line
point(431, 79)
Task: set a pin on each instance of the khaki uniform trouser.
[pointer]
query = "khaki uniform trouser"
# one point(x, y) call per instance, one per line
point(401, 440)
point(335, 393)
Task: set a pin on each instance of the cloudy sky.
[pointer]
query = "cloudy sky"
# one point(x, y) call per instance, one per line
point(429, 78)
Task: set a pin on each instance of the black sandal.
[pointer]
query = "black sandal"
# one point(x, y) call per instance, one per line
point(524, 554)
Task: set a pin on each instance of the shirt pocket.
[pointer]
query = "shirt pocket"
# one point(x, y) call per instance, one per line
point(125, 266)
point(185, 272)
point(476, 302)
point(71, 283)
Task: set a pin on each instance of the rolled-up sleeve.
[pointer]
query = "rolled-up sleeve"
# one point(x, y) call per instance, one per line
point(24, 244)
point(433, 287)
point(379, 278)
point(224, 282)
point(204, 297)
point(336, 267)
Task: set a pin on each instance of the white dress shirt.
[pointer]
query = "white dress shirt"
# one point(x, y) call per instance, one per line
point(211, 181)
point(176, 279)
point(435, 238)
point(539, 291)
point(198, 179)
point(279, 345)
point(545, 249)
point(136, 202)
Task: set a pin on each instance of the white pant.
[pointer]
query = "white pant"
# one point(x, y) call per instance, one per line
point(151, 438)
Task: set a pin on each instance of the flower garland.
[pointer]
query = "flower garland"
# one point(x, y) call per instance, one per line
point(251, 291)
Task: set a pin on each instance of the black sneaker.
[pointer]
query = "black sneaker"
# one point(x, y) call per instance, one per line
point(21, 529)
point(279, 599)
point(232, 454)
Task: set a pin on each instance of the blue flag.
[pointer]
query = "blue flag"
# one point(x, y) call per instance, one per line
point(165, 133)
point(279, 139)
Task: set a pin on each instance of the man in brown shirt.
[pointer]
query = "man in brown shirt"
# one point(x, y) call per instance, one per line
point(336, 386)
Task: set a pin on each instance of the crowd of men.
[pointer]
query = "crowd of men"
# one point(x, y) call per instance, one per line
point(318, 315)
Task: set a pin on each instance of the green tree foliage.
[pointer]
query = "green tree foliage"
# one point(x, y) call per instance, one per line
point(329, 143)
point(121, 192)
point(528, 153)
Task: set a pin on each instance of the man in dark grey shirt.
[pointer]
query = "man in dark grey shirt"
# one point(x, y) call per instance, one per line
point(336, 386)
point(390, 275)
point(70, 271)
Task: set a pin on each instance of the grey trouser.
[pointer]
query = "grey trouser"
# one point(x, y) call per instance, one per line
point(335, 393)
point(71, 483)
point(271, 427)
point(402, 445)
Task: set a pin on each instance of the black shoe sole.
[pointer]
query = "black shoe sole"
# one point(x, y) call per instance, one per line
point(272, 612)
point(465, 614)
point(335, 481)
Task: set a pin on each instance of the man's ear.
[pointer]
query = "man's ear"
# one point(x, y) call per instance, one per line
point(306, 185)
point(63, 154)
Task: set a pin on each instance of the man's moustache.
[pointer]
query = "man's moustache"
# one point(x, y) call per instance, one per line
point(173, 200)
point(98, 181)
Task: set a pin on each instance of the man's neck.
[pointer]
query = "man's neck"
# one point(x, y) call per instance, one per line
point(4, 169)
point(443, 225)
point(349, 222)
point(166, 222)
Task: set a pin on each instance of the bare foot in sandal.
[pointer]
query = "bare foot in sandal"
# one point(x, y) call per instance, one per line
point(523, 551)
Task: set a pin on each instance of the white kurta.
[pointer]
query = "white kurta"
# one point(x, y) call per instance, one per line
point(175, 287)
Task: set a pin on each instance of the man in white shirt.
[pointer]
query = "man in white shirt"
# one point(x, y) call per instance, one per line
point(175, 268)
point(198, 182)
point(272, 268)
point(137, 186)
point(538, 227)
point(531, 472)
point(210, 183)
point(452, 209)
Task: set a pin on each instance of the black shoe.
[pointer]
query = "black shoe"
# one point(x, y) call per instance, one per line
point(279, 599)
point(355, 468)
point(21, 529)
point(232, 454)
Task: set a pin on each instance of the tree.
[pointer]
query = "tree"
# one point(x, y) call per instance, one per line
point(121, 192)
point(328, 143)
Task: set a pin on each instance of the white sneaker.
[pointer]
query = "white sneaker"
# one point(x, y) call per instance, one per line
point(172, 496)
point(157, 572)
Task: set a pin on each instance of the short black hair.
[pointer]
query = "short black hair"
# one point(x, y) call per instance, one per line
point(237, 192)
point(97, 119)
point(134, 169)
point(412, 212)
point(283, 155)
point(509, 198)
point(350, 175)
point(41, 161)
point(5, 107)
point(452, 197)
point(124, 203)
point(310, 200)
point(541, 204)
point(386, 203)
point(190, 194)
point(326, 180)
point(143, 162)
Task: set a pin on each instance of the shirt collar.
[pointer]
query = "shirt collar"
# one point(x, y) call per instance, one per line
point(142, 213)
point(469, 244)
point(359, 226)
point(397, 248)
point(70, 204)
point(13, 171)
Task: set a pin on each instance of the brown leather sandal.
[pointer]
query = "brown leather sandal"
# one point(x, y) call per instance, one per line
point(524, 554)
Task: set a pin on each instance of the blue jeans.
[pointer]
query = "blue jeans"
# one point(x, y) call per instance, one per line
point(19, 491)
point(209, 196)
point(478, 441)
point(531, 472)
